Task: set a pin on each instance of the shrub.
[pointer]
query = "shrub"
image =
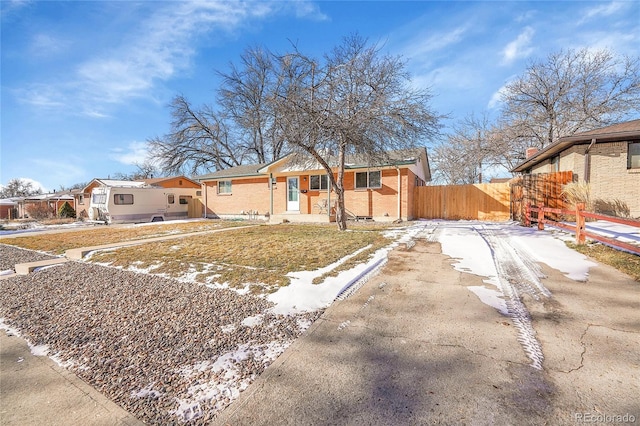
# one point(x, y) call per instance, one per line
point(40, 211)
point(66, 210)
point(578, 192)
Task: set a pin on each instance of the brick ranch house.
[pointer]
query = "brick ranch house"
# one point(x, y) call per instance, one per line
point(607, 158)
point(286, 189)
point(82, 197)
point(19, 207)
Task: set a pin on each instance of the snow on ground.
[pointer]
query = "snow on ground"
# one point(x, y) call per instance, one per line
point(626, 233)
point(301, 295)
point(469, 244)
point(462, 241)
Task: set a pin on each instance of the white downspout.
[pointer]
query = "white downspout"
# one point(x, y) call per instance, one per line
point(204, 188)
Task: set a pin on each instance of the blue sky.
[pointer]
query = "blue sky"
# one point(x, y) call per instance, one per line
point(85, 84)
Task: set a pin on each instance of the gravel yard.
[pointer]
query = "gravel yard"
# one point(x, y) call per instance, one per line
point(10, 256)
point(166, 351)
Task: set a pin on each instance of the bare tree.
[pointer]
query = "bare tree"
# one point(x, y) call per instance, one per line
point(18, 188)
point(144, 170)
point(246, 95)
point(466, 153)
point(355, 102)
point(570, 92)
point(242, 128)
point(198, 141)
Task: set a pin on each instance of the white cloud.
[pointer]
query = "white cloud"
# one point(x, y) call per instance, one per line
point(158, 49)
point(518, 48)
point(135, 153)
point(307, 9)
point(46, 45)
point(601, 11)
point(421, 46)
point(34, 184)
point(496, 98)
point(11, 6)
point(41, 95)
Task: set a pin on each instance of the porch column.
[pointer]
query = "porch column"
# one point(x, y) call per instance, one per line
point(399, 194)
point(270, 194)
point(328, 196)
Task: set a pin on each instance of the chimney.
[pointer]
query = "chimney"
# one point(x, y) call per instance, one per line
point(530, 152)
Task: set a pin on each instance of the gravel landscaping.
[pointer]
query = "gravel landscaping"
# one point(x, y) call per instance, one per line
point(11, 256)
point(167, 351)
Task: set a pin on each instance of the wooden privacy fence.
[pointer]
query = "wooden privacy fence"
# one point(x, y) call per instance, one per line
point(541, 189)
point(484, 201)
point(541, 216)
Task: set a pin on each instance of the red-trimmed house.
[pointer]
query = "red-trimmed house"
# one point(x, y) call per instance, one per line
point(287, 189)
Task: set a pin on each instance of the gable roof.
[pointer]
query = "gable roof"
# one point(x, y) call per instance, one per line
point(290, 162)
point(246, 170)
point(625, 131)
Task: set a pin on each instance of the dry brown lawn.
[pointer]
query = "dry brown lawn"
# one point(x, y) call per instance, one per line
point(259, 257)
point(58, 243)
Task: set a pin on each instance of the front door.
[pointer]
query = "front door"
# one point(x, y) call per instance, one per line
point(293, 194)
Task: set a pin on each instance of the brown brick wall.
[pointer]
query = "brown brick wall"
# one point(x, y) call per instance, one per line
point(610, 179)
point(252, 194)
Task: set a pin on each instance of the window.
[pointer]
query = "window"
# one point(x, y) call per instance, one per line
point(120, 199)
point(318, 182)
point(633, 155)
point(80, 199)
point(555, 164)
point(171, 199)
point(184, 199)
point(224, 187)
point(368, 180)
point(99, 198)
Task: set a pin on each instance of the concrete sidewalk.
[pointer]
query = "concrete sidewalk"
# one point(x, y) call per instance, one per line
point(34, 390)
point(415, 346)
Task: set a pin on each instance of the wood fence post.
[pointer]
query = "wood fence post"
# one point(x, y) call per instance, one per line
point(541, 218)
point(580, 237)
point(527, 214)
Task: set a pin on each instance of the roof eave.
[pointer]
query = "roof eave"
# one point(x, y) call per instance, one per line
point(568, 141)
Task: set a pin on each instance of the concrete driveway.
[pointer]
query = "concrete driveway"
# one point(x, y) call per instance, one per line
point(415, 346)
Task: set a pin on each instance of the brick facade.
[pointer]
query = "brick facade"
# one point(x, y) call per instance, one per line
point(252, 194)
point(610, 180)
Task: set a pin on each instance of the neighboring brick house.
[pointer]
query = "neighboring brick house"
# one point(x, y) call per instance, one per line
point(9, 208)
point(607, 158)
point(50, 201)
point(285, 189)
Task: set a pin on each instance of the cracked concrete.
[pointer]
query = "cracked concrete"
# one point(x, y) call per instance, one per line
point(415, 346)
point(590, 335)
